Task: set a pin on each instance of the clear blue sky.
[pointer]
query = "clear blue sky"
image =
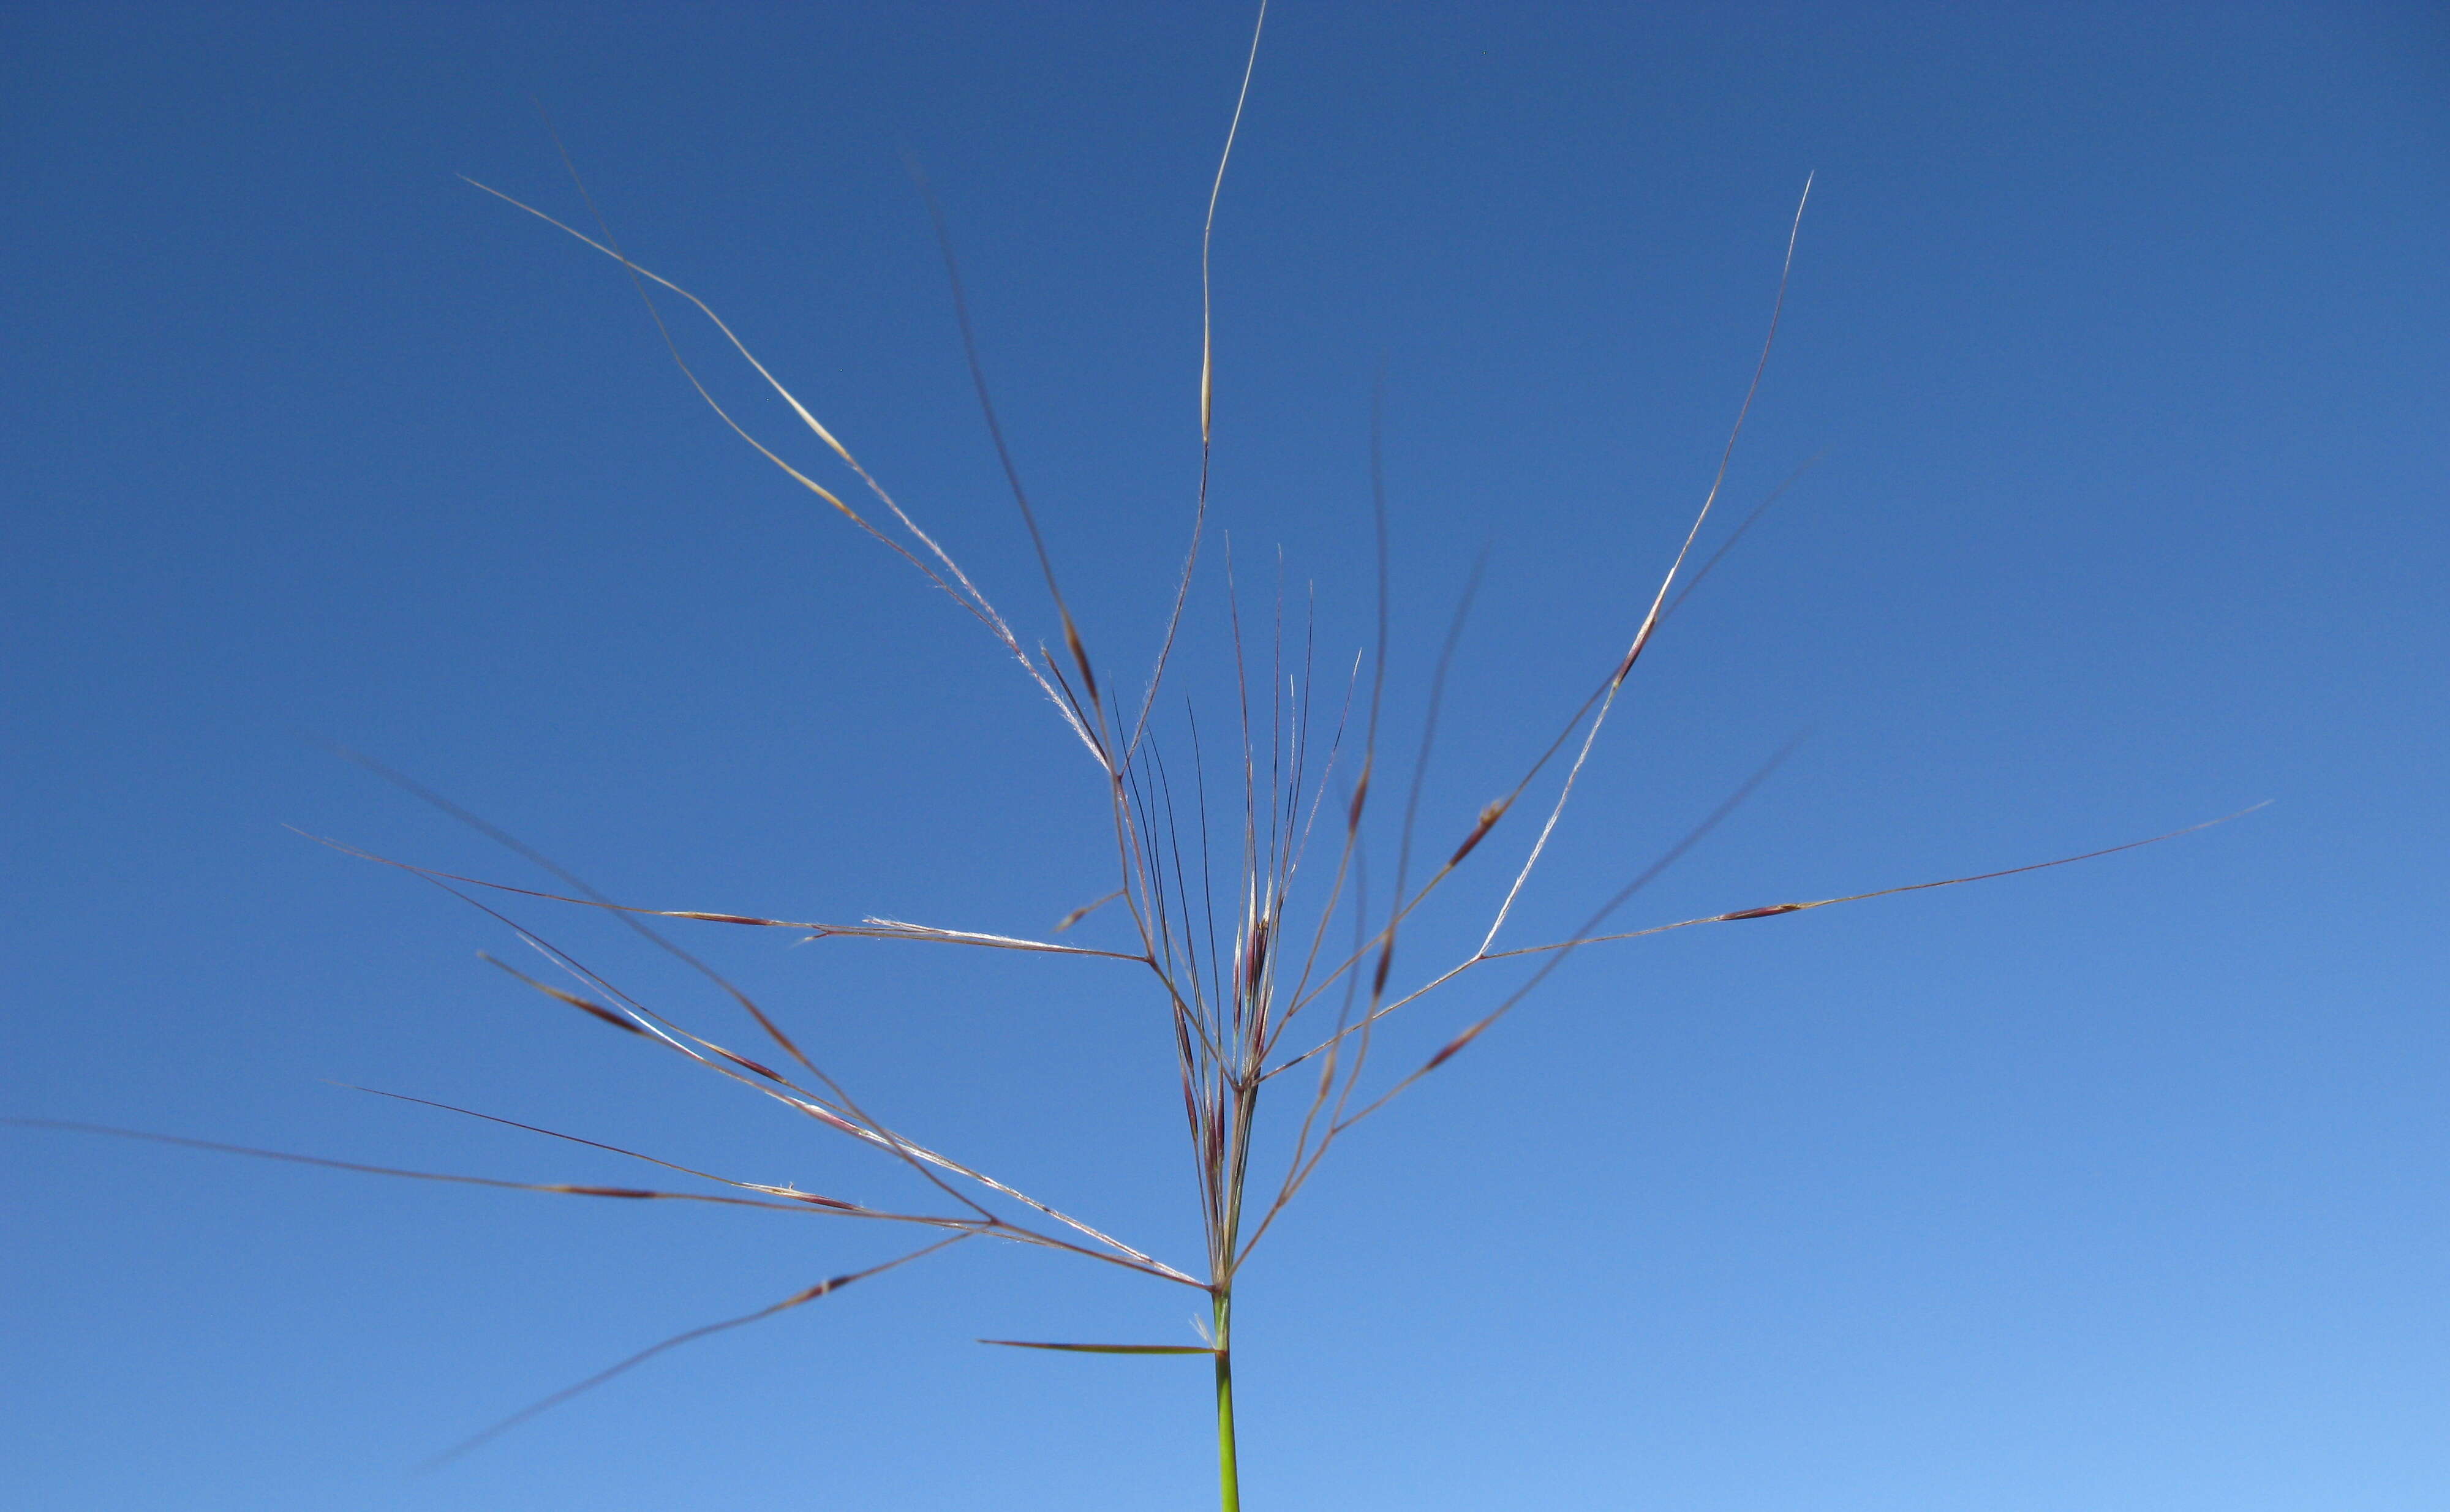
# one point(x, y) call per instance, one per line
point(2120, 333)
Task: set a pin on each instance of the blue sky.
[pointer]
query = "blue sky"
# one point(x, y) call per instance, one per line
point(2118, 333)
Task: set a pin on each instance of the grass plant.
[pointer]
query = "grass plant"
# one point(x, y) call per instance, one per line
point(1241, 849)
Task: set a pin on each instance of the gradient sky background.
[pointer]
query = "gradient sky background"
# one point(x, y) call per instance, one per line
point(2120, 333)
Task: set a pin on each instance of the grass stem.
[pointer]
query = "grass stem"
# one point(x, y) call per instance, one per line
point(1229, 1487)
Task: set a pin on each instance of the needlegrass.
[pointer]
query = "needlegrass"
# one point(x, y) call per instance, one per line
point(1274, 855)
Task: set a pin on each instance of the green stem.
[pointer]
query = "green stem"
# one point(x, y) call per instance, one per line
point(1228, 1474)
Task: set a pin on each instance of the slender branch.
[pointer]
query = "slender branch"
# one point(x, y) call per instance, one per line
point(822, 1289)
point(1207, 392)
point(1775, 910)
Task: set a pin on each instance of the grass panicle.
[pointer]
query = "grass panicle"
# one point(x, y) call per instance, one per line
point(1240, 839)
